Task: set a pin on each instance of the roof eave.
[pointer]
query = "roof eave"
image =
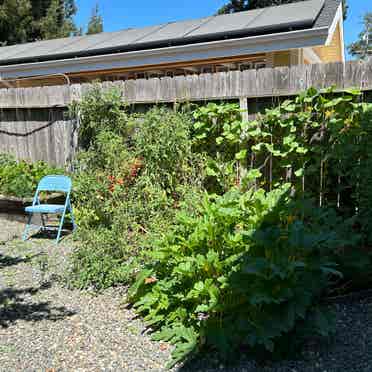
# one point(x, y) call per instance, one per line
point(184, 53)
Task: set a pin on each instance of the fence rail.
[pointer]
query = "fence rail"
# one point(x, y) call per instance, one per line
point(279, 81)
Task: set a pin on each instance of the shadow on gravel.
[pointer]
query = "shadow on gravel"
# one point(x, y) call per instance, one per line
point(16, 304)
point(49, 234)
point(11, 261)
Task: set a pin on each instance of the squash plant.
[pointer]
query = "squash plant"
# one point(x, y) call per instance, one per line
point(239, 272)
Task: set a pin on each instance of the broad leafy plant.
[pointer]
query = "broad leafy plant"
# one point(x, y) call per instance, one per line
point(217, 133)
point(238, 272)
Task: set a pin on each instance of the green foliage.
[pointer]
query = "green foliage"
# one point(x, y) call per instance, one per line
point(163, 141)
point(362, 48)
point(100, 111)
point(31, 20)
point(133, 172)
point(306, 138)
point(236, 230)
point(14, 12)
point(361, 175)
point(217, 135)
point(237, 272)
point(95, 24)
point(57, 20)
point(20, 178)
point(312, 142)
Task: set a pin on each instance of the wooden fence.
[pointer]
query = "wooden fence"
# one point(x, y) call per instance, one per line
point(38, 134)
point(33, 126)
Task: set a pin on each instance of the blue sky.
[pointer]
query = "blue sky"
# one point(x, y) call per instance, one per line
point(119, 14)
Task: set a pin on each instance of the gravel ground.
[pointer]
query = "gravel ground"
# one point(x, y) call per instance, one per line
point(46, 327)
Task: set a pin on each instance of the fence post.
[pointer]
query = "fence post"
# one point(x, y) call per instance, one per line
point(243, 103)
point(242, 167)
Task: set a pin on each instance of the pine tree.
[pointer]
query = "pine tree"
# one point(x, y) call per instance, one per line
point(30, 20)
point(362, 48)
point(58, 20)
point(15, 18)
point(95, 25)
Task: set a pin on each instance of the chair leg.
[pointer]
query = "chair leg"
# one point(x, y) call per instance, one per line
point(60, 226)
point(24, 237)
point(42, 221)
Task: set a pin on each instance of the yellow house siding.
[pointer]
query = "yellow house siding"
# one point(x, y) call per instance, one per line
point(288, 58)
point(282, 58)
point(333, 51)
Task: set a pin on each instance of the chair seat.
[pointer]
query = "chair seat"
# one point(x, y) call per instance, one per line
point(45, 208)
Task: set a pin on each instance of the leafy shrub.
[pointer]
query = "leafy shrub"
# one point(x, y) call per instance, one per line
point(362, 174)
point(163, 140)
point(20, 178)
point(320, 143)
point(128, 184)
point(238, 272)
point(217, 134)
point(99, 111)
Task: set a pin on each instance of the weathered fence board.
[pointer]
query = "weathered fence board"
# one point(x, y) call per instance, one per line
point(33, 125)
point(38, 135)
point(223, 85)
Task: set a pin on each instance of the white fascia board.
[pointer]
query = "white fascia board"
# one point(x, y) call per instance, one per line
point(338, 18)
point(342, 40)
point(311, 56)
point(185, 53)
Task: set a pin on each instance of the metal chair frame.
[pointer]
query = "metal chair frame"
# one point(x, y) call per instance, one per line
point(56, 183)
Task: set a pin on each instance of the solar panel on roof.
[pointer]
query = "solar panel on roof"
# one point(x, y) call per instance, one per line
point(128, 37)
point(302, 13)
point(90, 41)
point(227, 23)
point(265, 19)
point(45, 48)
point(295, 14)
point(175, 30)
point(7, 52)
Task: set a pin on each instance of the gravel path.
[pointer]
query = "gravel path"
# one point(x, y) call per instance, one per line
point(46, 327)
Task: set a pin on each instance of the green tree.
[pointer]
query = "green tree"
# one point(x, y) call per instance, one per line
point(95, 25)
point(362, 48)
point(30, 20)
point(58, 20)
point(15, 19)
point(234, 6)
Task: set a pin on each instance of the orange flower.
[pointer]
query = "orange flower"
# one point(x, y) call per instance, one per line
point(150, 280)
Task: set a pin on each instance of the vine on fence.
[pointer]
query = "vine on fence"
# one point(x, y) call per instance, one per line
point(317, 141)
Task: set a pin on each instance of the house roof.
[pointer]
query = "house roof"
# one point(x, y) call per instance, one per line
point(306, 15)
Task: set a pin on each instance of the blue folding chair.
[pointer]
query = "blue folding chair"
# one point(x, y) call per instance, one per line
point(51, 183)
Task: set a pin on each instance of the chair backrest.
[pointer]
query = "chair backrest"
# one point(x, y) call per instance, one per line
point(55, 183)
